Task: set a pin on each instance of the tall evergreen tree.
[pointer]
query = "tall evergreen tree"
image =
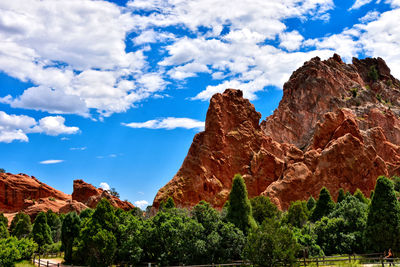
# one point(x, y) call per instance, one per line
point(239, 209)
point(69, 231)
point(41, 231)
point(98, 235)
point(341, 195)
point(383, 230)
point(324, 206)
point(360, 196)
point(311, 204)
point(21, 225)
point(55, 225)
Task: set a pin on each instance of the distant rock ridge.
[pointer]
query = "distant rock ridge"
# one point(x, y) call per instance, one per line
point(21, 192)
point(337, 125)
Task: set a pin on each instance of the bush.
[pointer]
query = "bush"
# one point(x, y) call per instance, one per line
point(13, 250)
point(2, 170)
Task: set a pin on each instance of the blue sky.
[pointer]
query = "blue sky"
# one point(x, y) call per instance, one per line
point(113, 92)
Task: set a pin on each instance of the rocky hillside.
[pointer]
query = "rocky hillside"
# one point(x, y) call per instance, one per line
point(337, 125)
point(21, 192)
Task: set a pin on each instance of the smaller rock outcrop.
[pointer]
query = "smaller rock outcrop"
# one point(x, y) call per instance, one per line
point(24, 193)
point(90, 196)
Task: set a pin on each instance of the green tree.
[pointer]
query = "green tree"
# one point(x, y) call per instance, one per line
point(21, 225)
point(129, 241)
point(2, 170)
point(354, 212)
point(396, 182)
point(324, 205)
point(3, 231)
point(297, 214)
point(69, 232)
point(3, 219)
point(360, 196)
point(330, 236)
point(311, 204)
point(168, 204)
point(223, 241)
point(341, 195)
point(239, 209)
point(382, 229)
point(113, 192)
point(98, 239)
point(263, 208)
point(54, 223)
point(271, 244)
point(41, 232)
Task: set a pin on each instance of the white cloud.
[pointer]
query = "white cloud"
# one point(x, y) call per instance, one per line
point(7, 136)
point(78, 148)
point(51, 161)
point(291, 40)
point(81, 58)
point(359, 3)
point(16, 127)
point(142, 204)
point(370, 16)
point(168, 123)
point(54, 125)
point(105, 186)
point(377, 38)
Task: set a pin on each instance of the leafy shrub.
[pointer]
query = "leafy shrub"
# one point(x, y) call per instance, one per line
point(13, 250)
point(2, 170)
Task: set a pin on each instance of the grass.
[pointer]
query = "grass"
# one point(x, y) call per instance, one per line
point(24, 264)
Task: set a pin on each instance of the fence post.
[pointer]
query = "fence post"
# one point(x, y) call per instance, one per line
point(149, 264)
point(58, 264)
point(383, 264)
point(349, 259)
point(317, 262)
point(47, 264)
point(305, 263)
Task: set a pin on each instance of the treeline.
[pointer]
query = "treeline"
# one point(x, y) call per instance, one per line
point(253, 230)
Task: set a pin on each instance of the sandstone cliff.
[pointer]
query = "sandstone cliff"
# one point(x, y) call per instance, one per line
point(337, 125)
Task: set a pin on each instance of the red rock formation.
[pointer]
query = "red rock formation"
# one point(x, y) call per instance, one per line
point(17, 190)
point(27, 194)
point(90, 196)
point(335, 126)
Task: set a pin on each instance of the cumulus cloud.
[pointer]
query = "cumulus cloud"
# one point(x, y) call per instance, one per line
point(168, 123)
point(104, 186)
point(142, 204)
point(376, 38)
point(80, 59)
point(16, 127)
point(51, 161)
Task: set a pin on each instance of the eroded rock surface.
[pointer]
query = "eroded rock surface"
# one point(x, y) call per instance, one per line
point(337, 125)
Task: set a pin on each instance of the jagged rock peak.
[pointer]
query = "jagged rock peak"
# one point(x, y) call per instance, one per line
point(337, 125)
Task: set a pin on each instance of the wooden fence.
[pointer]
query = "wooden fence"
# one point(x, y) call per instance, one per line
point(375, 258)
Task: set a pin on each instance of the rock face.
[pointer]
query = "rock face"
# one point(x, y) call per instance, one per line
point(18, 191)
point(337, 125)
point(27, 194)
point(90, 196)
